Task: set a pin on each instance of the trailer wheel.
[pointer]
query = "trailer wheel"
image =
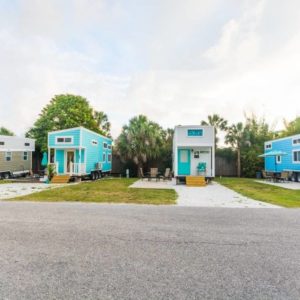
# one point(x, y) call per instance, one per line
point(6, 176)
point(96, 175)
point(93, 176)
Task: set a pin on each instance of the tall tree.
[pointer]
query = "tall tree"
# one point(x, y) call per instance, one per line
point(140, 141)
point(234, 137)
point(218, 122)
point(102, 122)
point(291, 128)
point(63, 111)
point(5, 131)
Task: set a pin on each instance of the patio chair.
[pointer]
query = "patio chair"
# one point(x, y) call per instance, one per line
point(167, 175)
point(265, 175)
point(201, 168)
point(142, 174)
point(284, 177)
point(153, 174)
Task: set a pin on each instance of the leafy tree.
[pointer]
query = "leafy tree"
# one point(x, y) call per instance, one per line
point(140, 141)
point(291, 128)
point(218, 122)
point(65, 111)
point(234, 137)
point(102, 122)
point(5, 131)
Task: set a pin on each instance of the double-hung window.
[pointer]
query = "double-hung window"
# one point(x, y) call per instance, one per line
point(296, 156)
point(25, 155)
point(8, 156)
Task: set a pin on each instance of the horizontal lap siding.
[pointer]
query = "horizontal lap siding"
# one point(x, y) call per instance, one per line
point(94, 153)
point(17, 163)
point(75, 133)
point(285, 145)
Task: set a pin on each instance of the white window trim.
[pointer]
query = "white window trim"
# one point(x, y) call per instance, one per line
point(294, 161)
point(94, 142)
point(26, 145)
point(25, 155)
point(63, 137)
point(104, 156)
point(268, 144)
point(280, 161)
point(195, 136)
point(109, 146)
point(6, 156)
point(298, 141)
point(109, 155)
point(2, 143)
point(105, 143)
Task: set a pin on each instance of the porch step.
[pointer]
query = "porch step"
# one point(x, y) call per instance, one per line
point(60, 179)
point(195, 181)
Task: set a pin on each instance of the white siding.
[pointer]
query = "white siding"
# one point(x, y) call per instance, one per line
point(14, 143)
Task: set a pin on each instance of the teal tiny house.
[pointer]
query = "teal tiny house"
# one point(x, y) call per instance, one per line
point(79, 152)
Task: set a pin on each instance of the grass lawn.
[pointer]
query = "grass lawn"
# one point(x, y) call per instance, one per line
point(105, 190)
point(262, 192)
point(5, 181)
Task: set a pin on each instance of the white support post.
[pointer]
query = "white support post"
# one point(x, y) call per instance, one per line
point(49, 151)
point(79, 163)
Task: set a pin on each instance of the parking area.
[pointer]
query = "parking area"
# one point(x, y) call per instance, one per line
point(12, 190)
point(212, 195)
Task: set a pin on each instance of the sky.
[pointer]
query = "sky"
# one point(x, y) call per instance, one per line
point(175, 61)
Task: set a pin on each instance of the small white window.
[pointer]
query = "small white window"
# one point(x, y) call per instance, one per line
point(8, 156)
point(64, 140)
point(94, 142)
point(27, 144)
point(278, 159)
point(105, 145)
point(296, 157)
point(296, 141)
point(268, 146)
point(104, 157)
point(2, 143)
point(25, 155)
point(184, 156)
point(109, 157)
point(109, 146)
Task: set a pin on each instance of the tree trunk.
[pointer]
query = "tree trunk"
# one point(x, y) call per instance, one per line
point(239, 162)
point(139, 167)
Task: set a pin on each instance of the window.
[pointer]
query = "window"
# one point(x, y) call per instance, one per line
point(104, 157)
point(195, 132)
point(2, 143)
point(296, 157)
point(278, 159)
point(109, 157)
point(94, 142)
point(105, 145)
point(183, 156)
point(8, 156)
point(109, 146)
point(64, 140)
point(296, 141)
point(268, 146)
point(27, 144)
point(25, 155)
point(196, 154)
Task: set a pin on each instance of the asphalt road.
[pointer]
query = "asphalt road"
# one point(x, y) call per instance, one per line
point(92, 251)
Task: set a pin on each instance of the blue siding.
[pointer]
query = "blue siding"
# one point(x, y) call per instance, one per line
point(74, 133)
point(287, 146)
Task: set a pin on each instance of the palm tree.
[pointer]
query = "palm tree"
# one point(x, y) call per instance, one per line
point(102, 122)
point(234, 137)
point(218, 122)
point(140, 140)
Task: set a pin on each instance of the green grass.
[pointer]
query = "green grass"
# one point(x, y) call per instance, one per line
point(105, 190)
point(5, 181)
point(263, 192)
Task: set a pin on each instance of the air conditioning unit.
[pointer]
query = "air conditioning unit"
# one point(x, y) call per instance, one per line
point(98, 166)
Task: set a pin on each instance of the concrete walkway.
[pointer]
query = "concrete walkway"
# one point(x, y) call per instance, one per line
point(12, 190)
point(285, 185)
point(213, 195)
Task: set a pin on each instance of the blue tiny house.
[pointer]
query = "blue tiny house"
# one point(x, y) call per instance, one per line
point(80, 152)
point(290, 161)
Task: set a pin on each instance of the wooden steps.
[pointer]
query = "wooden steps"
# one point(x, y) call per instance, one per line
point(60, 179)
point(195, 181)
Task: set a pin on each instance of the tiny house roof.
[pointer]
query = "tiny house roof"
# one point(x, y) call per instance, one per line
point(284, 138)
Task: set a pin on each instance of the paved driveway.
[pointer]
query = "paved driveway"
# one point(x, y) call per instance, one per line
point(92, 251)
point(212, 195)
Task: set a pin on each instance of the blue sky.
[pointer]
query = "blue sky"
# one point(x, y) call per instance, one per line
point(176, 61)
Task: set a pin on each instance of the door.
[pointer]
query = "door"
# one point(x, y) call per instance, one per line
point(70, 158)
point(184, 162)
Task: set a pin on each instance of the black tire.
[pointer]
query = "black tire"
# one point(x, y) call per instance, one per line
point(96, 175)
point(93, 176)
point(6, 175)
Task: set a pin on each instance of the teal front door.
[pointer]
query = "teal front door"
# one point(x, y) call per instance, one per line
point(184, 162)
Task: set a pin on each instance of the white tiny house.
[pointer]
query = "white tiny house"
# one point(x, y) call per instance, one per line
point(194, 151)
